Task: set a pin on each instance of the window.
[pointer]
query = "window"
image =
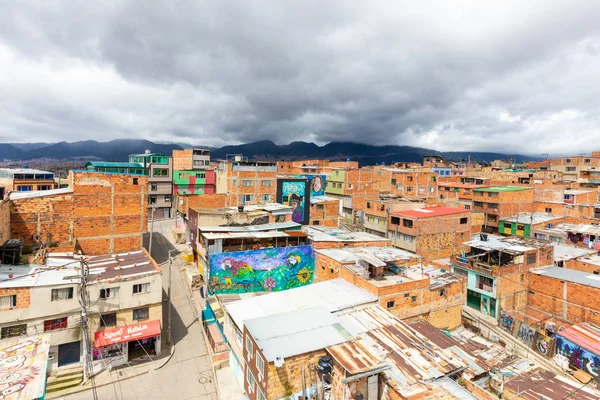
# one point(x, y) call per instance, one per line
point(160, 172)
point(410, 178)
point(441, 292)
point(266, 197)
point(461, 272)
point(421, 190)
point(249, 378)
point(141, 288)
point(249, 347)
point(7, 302)
point(109, 293)
point(407, 223)
point(44, 187)
point(467, 207)
point(570, 169)
point(201, 175)
point(62, 294)
point(141, 314)
point(110, 319)
point(316, 222)
point(520, 227)
point(409, 188)
point(399, 187)
point(395, 221)
point(152, 199)
point(492, 194)
point(531, 258)
point(135, 181)
point(409, 239)
point(320, 207)
point(476, 193)
point(492, 218)
point(477, 204)
point(522, 277)
point(260, 365)
point(485, 283)
point(247, 183)
point(248, 197)
point(393, 181)
point(27, 188)
point(568, 197)
point(431, 189)
point(568, 160)
point(586, 160)
point(390, 304)
point(492, 205)
point(167, 198)
point(413, 299)
point(13, 331)
point(467, 191)
point(548, 210)
point(238, 337)
point(368, 205)
point(55, 324)
point(154, 187)
point(464, 220)
point(267, 183)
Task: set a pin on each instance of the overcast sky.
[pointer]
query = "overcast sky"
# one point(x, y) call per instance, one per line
point(511, 76)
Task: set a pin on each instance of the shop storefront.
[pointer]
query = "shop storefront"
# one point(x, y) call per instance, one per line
point(120, 345)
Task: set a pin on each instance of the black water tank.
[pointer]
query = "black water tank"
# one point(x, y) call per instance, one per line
point(324, 365)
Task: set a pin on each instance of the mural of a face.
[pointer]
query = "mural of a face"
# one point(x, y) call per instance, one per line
point(317, 184)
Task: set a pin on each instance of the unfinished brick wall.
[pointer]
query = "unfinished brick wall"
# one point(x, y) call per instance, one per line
point(109, 211)
point(325, 213)
point(23, 297)
point(212, 201)
point(4, 221)
point(236, 190)
point(567, 301)
point(42, 219)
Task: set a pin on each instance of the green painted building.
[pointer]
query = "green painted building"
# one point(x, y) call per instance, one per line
point(335, 182)
point(194, 182)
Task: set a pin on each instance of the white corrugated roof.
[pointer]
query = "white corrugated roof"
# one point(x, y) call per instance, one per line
point(333, 295)
point(38, 193)
point(297, 332)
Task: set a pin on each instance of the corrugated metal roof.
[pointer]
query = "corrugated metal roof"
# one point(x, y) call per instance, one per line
point(297, 332)
point(326, 234)
point(113, 164)
point(585, 335)
point(250, 228)
point(38, 193)
point(374, 255)
point(535, 218)
point(322, 199)
point(563, 252)
point(334, 295)
point(510, 244)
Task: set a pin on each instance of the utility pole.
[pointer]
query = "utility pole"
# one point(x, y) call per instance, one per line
point(87, 367)
point(151, 232)
point(170, 300)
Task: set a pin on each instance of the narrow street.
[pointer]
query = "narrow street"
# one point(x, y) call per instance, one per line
point(188, 374)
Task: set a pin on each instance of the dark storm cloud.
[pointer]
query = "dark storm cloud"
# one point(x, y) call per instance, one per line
point(449, 76)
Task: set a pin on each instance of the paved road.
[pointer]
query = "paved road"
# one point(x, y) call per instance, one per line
point(189, 374)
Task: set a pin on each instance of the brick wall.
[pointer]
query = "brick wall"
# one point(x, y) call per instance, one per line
point(4, 221)
point(109, 211)
point(325, 213)
point(212, 201)
point(47, 218)
point(570, 302)
point(23, 297)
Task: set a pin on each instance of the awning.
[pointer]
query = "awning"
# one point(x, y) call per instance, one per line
point(127, 333)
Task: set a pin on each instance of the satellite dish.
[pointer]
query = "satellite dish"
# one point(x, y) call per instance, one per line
point(279, 362)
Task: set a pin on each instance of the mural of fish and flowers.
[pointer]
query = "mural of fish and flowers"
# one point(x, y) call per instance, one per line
point(264, 270)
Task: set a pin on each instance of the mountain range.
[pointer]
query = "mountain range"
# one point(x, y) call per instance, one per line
point(119, 150)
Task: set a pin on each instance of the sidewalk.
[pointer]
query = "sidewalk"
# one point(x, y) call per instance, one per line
point(124, 372)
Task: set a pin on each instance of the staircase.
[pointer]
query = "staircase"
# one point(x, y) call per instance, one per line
point(65, 378)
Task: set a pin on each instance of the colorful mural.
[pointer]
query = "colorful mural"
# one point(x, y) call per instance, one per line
point(296, 194)
point(23, 367)
point(265, 270)
point(317, 184)
point(579, 357)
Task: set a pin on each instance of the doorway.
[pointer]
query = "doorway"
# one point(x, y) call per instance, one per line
point(141, 348)
point(69, 353)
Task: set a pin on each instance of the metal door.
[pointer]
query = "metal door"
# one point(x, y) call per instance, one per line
point(69, 353)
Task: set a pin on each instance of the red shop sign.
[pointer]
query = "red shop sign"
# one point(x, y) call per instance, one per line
point(127, 333)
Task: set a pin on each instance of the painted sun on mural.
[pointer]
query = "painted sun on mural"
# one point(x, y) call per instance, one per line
point(265, 270)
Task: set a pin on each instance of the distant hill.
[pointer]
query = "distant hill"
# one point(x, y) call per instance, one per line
point(119, 150)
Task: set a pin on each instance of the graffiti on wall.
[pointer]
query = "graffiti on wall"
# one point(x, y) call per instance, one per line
point(578, 357)
point(525, 334)
point(23, 368)
point(265, 270)
point(543, 344)
point(506, 322)
point(296, 194)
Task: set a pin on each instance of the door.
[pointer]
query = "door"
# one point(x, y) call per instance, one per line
point(166, 212)
point(69, 353)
